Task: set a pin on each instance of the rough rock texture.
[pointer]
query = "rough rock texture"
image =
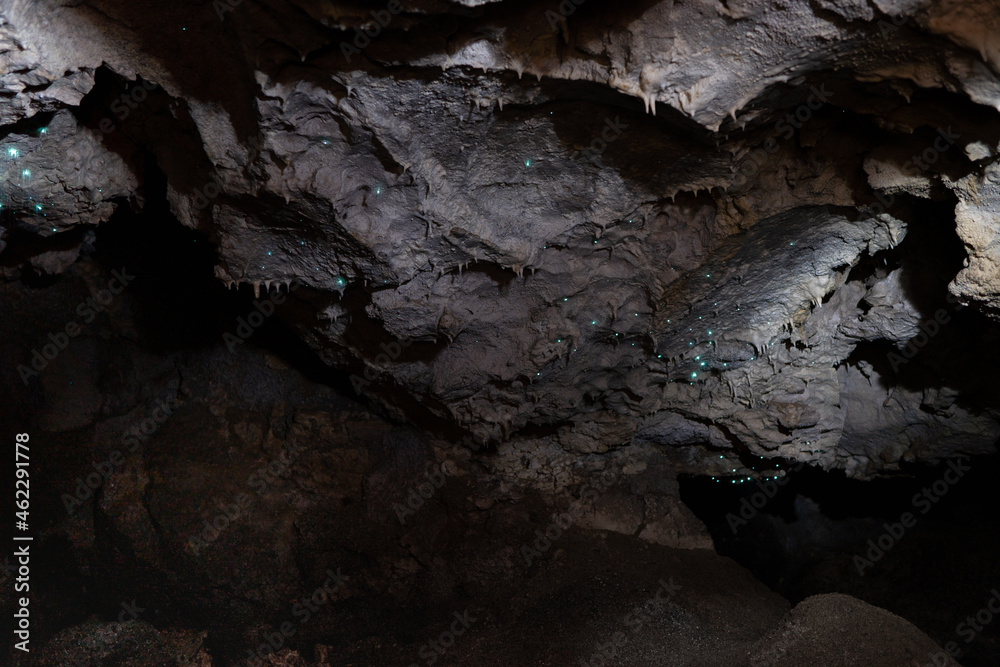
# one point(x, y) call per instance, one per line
point(551, 553)
point(840, 630)
point(647, 223)
point(193, 489)
point(587, 247)
point(130, 643)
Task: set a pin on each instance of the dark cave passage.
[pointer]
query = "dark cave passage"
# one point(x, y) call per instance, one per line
point(817, 532)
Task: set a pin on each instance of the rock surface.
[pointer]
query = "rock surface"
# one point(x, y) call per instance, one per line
point(589, 248)
point(658, 223)
point(837, 629)
point(201, 496)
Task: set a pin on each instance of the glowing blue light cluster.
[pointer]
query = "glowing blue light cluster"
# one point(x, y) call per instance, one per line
point(743, 480)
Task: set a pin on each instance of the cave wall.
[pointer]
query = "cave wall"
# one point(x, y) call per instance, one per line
point(513, 262)
point(677, 225)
